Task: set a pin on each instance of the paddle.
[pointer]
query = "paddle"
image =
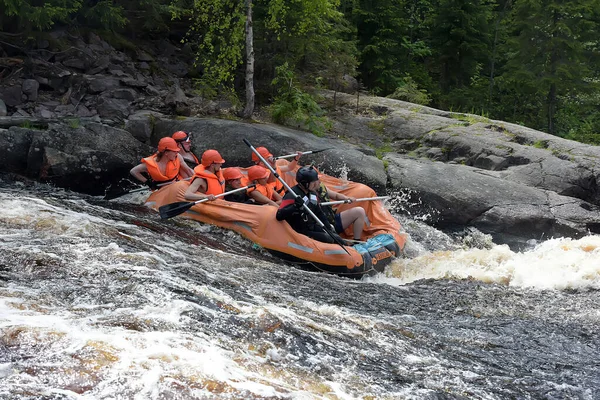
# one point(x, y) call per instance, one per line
point(173, 209)
point(330, 203)
point(110, 196)
point(289, 189)
point(303, 153)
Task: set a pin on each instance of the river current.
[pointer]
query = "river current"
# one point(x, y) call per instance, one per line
point(103, 300)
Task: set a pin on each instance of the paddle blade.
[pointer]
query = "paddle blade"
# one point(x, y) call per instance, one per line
point(173, 209)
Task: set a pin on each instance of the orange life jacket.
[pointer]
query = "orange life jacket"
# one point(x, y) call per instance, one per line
point(265, 190)
point(276, 185)
point(215, 182)
point(171, 172)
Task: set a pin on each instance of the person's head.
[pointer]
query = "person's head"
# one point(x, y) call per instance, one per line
point(258, 174)
point(183, 140)
point(233, 176)
point(167, 148)
point(264, 152)
point(308, 178)
point(211, 159)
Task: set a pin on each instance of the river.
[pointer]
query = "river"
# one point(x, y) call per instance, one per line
point(103, 300)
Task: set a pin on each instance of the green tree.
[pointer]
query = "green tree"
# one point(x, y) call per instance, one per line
point(390, 36)
point(550, 56)
point(460, 40)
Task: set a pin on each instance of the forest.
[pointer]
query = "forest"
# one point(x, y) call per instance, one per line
point(531, 62)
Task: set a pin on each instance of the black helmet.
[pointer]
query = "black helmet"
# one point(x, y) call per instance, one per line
point(306, 175)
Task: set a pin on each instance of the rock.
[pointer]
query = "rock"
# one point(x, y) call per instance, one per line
point(3, 111)
point(30, 88)
point(16, 143)
point(12, 95)
point(141, 124)
point(79, 63)
point(176, 97)
point(115, 109)
point(83, 111)
point(124, 93)
point(87, 158)
point(137, 83)
point(509, 211)
point(99, 65)
point(99, 85)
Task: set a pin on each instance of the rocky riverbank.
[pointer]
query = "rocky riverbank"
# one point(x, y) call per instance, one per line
point(80, 119)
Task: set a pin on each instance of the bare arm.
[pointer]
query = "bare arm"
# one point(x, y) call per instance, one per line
point(338, 196)
point(137, 171)
point(184, 169)
point(196, 191)
point(292, 164)
point(261, 198)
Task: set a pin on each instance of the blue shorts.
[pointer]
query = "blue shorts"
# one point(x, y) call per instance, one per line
point(339, 228)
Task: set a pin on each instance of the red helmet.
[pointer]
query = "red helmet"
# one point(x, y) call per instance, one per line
point(263, 152)
point(167, 143)
point(181, 136)
point(210, 157)
point(232, 173)
point(257, 172)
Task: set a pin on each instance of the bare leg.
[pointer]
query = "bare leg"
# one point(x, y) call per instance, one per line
point(354, 216)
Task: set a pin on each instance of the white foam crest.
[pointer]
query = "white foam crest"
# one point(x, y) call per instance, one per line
point(140, 361)
point(554, 264)
point(37, 213)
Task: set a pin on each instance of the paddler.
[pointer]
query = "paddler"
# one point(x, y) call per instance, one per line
point(272, 180)
point(184, 142)
point(164, 166)
point(262, 193)
point(208, 180)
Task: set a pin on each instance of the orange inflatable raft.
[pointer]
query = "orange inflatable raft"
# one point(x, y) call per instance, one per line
point(381, 235)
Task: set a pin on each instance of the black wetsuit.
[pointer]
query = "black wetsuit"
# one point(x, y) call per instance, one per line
point(300, 220)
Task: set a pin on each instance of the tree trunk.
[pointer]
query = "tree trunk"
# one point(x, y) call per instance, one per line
point(249, 109)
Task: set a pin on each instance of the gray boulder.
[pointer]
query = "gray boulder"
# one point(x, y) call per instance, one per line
point(510, 211)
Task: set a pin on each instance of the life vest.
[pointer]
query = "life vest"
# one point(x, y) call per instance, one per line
point(323, 198)
point(171, 172)
point(277, 185)
point(265, 190)
point(215, 182)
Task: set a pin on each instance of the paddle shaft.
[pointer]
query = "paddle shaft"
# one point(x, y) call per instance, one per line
point(303, 153)
point(224, 194)
point(289, 189)
point(331, 203)
point(174, 209)
point(108, 197)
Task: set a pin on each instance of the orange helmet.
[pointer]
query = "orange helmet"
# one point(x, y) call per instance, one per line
point(263, 152)
point(257, 172)
point(181, 136)
point(232, 173)
point(210, 157)
point(167, 143)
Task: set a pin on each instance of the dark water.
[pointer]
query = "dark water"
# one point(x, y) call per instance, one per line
point(104, 301)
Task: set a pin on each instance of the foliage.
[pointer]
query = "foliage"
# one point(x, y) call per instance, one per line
point(408, 90)
point(292, 105)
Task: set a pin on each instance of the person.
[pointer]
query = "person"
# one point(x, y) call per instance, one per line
point(184, 142)
point(262, 193)
point(234, 179)
point(208, 180)
point(355, 216)
point(292, 209)
point(164, 166)
point(272, 180)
